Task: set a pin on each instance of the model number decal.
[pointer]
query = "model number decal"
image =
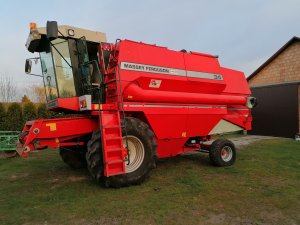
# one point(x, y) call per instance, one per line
point(218, 77)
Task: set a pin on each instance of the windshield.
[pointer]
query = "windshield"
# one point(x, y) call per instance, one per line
point(58, 75)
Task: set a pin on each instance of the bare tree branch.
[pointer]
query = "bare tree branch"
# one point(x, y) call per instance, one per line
point(8, 89)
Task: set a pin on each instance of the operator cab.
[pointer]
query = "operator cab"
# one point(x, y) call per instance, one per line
point(69, 62)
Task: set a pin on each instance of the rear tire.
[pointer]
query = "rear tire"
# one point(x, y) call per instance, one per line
point(142, 157)
point(73, 156)
point(222, 153)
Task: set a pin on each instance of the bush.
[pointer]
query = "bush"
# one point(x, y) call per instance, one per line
point(42, 112)
point(14, 117)
point(2, 117)
point(29, 112)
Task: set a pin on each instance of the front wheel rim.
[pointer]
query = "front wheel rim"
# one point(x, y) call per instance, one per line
point(136, 152)
point(226, 153)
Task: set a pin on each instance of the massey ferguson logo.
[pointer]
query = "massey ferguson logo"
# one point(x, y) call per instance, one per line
point(145, 68)
point(168, 71)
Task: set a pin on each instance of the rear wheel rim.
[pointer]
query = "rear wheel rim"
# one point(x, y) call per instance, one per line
point(136, 153)
point(226, 153)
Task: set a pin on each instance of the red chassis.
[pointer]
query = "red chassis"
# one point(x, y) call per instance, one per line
point(172, 124)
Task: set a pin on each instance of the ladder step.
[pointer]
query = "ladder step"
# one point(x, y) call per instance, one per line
point(112, 138)
point(113, 127)
point(115, 150)
point(117, 161)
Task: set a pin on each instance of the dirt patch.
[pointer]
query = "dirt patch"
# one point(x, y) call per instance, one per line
point(16, 177)
point(276, 217)
point(101, 221)
point(216, 218)
point(265, 218)
point(77, 178)
point(67, 179)
point(57, 182)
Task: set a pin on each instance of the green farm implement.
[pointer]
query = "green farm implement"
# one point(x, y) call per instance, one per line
point(8, 142)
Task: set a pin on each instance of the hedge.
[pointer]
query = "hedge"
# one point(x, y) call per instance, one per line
point(13, 116)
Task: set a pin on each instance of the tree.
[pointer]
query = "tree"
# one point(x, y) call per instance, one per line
point(2, 117)
point(14, 122)
point(29, 112)
point(8, 89)
point(39, 92)
point(25, 99)
point(36, 93)
point(42, 112)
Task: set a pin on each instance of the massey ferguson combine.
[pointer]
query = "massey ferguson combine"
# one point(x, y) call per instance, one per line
point(135, 103)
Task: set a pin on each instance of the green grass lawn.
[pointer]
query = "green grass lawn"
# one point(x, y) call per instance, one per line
point(263, 187)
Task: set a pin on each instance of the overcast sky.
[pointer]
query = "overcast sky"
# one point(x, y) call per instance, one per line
point(244, 33)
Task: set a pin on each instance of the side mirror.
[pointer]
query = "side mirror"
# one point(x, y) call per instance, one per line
point(28, 65)
point(52, 30)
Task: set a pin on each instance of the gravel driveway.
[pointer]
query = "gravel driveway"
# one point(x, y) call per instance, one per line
point(248, 139)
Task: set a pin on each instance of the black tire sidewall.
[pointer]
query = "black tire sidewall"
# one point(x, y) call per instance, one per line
point(75, 160)
point(94, 156)
point(215, 154)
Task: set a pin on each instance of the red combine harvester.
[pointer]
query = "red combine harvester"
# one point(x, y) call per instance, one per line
point(135, 103)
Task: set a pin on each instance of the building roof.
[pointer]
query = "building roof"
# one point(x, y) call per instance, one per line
point(285, 46)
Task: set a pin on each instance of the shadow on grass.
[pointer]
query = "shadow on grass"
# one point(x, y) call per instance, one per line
point(196, 158)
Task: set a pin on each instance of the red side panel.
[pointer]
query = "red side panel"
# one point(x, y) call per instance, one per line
point(197, 66)
point(202, 120)
point(131, 51)
point(170, 147)
point(144, 54)
point(236, 82)
point(168, 125)
point(64, 104)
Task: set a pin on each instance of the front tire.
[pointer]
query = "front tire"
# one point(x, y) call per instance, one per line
point(94, 156)
point(222, 153)
point(141, 144)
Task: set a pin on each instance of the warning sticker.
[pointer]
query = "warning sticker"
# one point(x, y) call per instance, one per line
point(154, 83)
point(52, 126)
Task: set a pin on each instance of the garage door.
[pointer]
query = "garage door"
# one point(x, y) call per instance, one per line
point(277, 111)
